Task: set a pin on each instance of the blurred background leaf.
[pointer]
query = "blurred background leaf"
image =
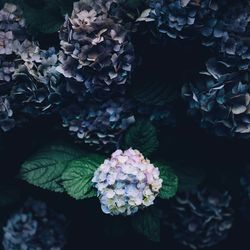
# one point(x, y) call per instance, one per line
point(190, 175)
point(142, 136)
point(154, 92)
point(170, 180)
point(43, 16)
point(148, 223)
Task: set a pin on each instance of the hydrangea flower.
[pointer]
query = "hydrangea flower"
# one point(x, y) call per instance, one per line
point(96, 55)
point(34, 227)
point(126, 183)
point(201, 218)
point(219, 99)
point(100, 125)
point(178, 18)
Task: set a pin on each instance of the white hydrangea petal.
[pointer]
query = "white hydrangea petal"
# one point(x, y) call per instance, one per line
point(122, 176)
point(120, 191)
point(110, 193)
point(138, 201)
point(120, 202)
point(141, 176)
point(132, 190)
point(117, 153)
point(122, 159)
point(101, 186)
point(111, 178)
point(105, 168)
point(102, 176)
point(105, 209)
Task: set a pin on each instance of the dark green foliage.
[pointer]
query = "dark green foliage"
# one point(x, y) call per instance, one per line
point(77, 177)
point(155, 92)
point(148, 223)
point(170, 181)
point(45, 16)
point(190, 175)
point(61, 168)
point(46, 167)
point(155, 97)
point(142, 136)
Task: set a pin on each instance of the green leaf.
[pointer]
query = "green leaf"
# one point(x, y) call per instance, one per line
point(170, 181)
point(142, 136)
point(77, 177)
point(148, 223)
point(45, 16)
point(190, 175)
point(43, 20)
point(155, 92)
point(45, 168)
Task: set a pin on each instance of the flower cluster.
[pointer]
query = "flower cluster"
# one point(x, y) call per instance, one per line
point(96, 53)
point(12, 33)
point(126, 183)
point(29, 82)
point(34, 227)
point(36, 82)
point(229, 33)
point(177, 18)
point(220, 99)
point(201, 218)
point(37, 85)
point(99, 124)
point(12, 29)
